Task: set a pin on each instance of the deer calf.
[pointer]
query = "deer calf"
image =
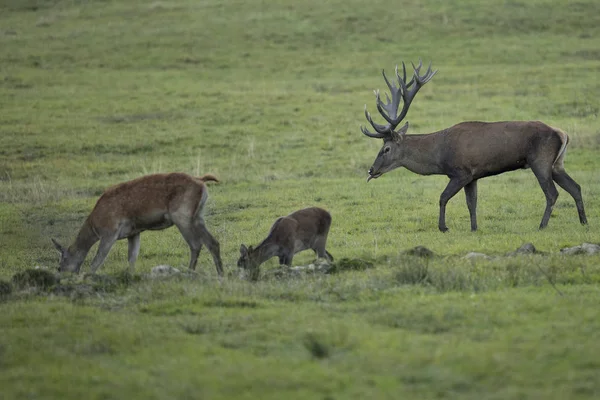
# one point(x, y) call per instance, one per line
point(152, 202)
point(301, 230)
point(469, 151)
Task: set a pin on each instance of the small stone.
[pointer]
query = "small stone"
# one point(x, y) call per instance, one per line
point(161, 271)
point(527, 248)
point(474, 255)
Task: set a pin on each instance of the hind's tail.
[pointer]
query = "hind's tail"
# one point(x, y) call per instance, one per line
point(208, 177)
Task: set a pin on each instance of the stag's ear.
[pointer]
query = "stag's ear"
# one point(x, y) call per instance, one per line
point(243, 250)
point(58, 246)
point(402, 131)
point(399, 134)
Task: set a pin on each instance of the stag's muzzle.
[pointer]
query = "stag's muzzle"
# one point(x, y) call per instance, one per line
point(373, 175)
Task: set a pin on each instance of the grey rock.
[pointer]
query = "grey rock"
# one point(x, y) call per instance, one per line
point(162, 271)
point(527, 248)
point(585, 248)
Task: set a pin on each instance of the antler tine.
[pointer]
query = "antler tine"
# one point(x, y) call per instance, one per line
point(419, 81)
point(382, 130)
point(402, 81)
point(391, 105)
point(373, 135)
point(425, 78)
point(417, 69)
point(389, 109)
point(429, 74)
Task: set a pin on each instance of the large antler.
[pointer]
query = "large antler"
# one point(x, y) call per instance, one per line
point(389, 109)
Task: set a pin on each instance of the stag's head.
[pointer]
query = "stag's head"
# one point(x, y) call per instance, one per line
point(391, 154)
point(68, 262)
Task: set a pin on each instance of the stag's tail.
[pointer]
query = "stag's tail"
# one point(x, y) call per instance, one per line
point(208, 177)
point(560, 157)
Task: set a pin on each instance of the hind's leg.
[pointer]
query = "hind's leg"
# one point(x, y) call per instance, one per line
point(563, 180)
point(103, 248)
point(193, 241)
point(133, 250)
point(211, 244)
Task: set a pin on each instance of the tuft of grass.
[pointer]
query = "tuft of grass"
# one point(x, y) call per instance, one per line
point(420, 251)
point(35, 278)
point(412, 272)
point(317, 348)
point(350, 264)
point(5, 289)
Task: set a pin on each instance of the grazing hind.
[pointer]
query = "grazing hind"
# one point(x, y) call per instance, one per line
point(301, 230)
point(151, 202)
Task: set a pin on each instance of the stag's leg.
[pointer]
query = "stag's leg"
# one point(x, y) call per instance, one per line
point(211, 244)
point(452, 188)
point(471, 194)
point(133, 250)
point(544, 177)
point(103, 248)
point(563, 180)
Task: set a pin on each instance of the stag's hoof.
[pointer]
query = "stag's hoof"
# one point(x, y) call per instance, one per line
point(444, 229)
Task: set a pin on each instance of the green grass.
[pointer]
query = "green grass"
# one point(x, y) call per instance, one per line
point(269, 96)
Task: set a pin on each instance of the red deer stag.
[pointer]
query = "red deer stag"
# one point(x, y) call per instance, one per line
point(469, 151)
point(301, 230)
point(152, 202)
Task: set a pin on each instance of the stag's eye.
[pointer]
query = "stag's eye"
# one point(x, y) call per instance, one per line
point(386, 149)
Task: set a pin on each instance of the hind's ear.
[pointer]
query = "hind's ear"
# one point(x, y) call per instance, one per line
point(58, 246)
point(243, 250)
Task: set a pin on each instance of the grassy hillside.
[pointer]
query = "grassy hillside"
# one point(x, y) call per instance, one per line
point(269, 96)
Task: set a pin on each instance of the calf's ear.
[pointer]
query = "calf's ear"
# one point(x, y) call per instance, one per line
point(243, 250)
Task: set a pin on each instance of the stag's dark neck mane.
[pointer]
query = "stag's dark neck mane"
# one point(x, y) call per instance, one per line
point(421, 153)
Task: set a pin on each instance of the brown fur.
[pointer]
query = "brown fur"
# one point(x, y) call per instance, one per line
point(301, 230)
point(208, 177)
point(151, 202)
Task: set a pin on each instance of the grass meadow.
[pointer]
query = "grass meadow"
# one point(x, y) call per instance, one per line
point(269, 96)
